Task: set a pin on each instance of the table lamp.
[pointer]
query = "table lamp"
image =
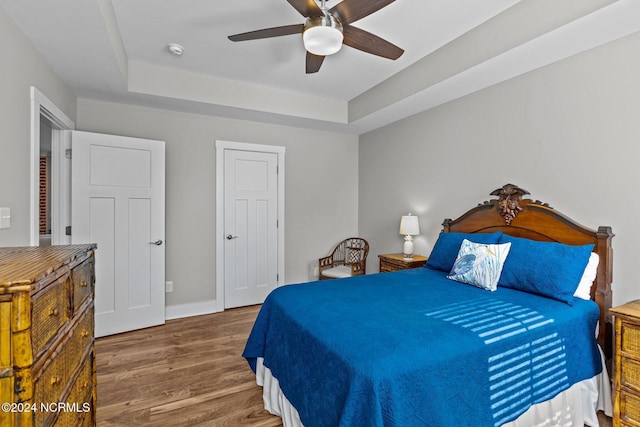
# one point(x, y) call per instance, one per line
point(409, 227)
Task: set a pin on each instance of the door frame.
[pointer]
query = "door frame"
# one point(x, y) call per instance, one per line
point(41, 106)
point(221, 146)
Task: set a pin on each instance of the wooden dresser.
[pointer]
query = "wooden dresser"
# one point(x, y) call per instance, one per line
point(626, 373)
point(395, 262)
point(47, 356)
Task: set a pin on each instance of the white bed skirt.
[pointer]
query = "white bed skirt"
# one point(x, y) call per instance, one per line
point(576, 406)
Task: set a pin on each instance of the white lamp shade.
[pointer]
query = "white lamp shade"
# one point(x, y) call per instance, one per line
point(409, 225)
point(322, 40)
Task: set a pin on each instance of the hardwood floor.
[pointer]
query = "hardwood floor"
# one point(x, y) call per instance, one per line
point(189, 372)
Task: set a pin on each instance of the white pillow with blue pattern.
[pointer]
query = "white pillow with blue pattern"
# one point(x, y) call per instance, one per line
point(479, 264)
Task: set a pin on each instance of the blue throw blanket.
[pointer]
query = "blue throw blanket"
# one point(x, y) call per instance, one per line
point(413, 348)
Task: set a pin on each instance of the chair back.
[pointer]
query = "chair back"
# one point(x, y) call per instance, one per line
point(352, 250)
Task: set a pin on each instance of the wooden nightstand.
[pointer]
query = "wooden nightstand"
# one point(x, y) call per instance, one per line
point(395, 262)
point(626, 371)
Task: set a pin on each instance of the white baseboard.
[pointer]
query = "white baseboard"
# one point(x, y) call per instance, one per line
point(192, 309)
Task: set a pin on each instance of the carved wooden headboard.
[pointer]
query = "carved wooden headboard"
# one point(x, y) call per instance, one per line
point(519, 217)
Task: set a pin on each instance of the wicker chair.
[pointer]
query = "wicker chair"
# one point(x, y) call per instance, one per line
point(348, 259)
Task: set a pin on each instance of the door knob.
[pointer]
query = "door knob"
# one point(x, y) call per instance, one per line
point(157, 242)
point(229, 237)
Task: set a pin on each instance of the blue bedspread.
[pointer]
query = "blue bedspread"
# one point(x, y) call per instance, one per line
point(413, 348)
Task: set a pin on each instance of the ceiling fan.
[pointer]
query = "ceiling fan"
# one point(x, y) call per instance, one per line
point(326, 30)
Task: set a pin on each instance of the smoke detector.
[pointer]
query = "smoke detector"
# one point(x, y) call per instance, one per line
point(175, 49)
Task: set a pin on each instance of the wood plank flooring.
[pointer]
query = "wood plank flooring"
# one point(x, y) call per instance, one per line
point(188, 372)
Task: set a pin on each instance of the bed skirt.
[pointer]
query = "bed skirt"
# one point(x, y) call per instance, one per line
point(576, 406)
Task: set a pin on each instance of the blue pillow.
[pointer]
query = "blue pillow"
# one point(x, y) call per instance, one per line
point(549, 269)
point(445, 251)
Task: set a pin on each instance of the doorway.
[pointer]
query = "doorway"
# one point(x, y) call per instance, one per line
point(51, 133)
point(49, 136)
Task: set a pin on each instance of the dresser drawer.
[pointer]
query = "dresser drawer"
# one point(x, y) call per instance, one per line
point(48, 389)
point(82, 282)
point(81, 339)
point(50, 312)
point(79, 403)
point(81, 394)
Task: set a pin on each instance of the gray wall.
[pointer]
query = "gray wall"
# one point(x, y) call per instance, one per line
point(20, 68)
point(568, 133)
point(321, 187)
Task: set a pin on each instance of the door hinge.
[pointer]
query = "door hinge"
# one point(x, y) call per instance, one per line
point(67, 153)
point(277, 277)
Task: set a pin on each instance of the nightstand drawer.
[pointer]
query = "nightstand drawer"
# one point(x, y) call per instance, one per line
point(629, 407)
point(630, 339)
point(387, 265)
point(630, 373)
point(395, 262)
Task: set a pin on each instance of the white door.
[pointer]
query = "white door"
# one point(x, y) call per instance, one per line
point(250, 226)
point(117, 201)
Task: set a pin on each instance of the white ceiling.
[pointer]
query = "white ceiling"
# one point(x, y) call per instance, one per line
point(116, 50)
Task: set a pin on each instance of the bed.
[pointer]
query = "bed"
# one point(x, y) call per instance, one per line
point(491, 343)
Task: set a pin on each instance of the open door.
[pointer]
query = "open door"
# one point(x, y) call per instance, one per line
point(117, 201)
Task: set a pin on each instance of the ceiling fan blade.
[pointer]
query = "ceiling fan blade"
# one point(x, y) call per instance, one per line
point(313, 63)
point(370, 43)
point(348, 11)
point(306, 8)
point(268, 32)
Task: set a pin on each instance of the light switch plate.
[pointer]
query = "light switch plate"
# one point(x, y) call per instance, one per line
point(5, 218)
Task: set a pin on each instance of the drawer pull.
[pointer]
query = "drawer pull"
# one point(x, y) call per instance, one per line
point(83, 284)
point(56, 380)
point(85, 334)
point(54, 312)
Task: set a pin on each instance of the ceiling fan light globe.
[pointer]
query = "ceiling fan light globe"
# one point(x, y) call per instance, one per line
point(322, 35)
point(322, 41)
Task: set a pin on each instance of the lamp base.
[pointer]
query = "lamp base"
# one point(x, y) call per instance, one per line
point(407, 250)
